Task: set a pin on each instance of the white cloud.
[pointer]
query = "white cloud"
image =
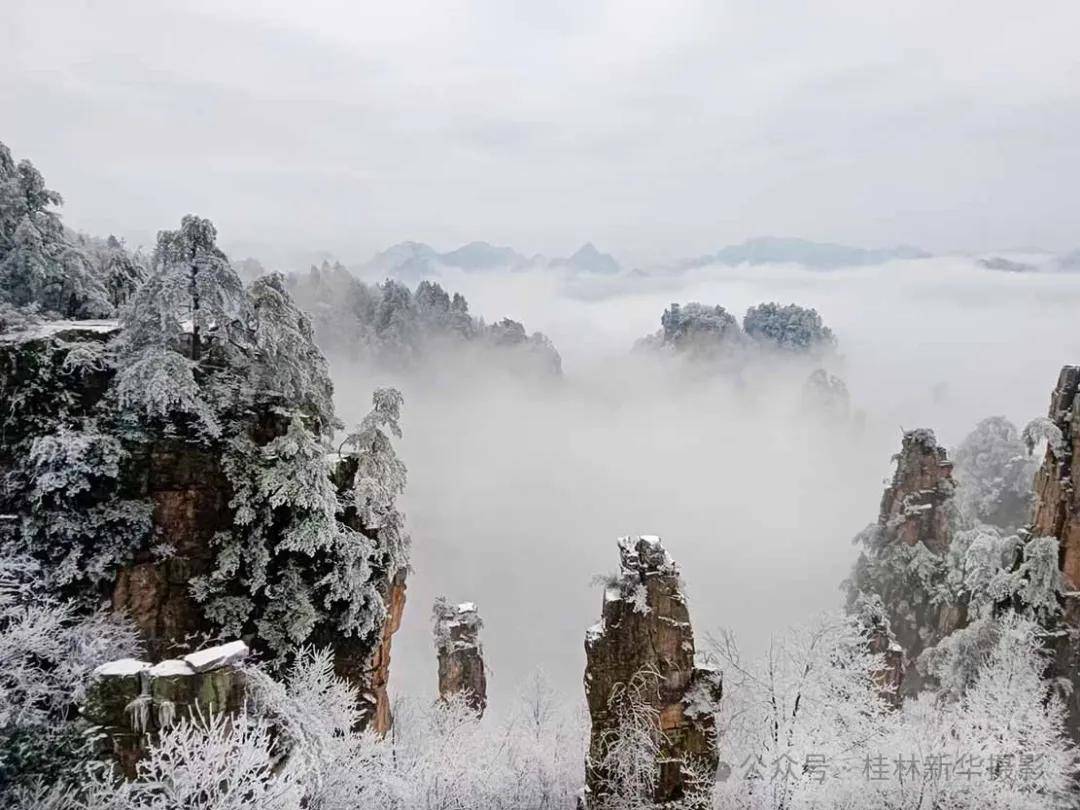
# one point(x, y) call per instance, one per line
point(655, 129)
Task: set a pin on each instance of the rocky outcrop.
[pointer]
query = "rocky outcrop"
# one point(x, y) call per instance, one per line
point(642, 652)
point(914, 508)
point(461, 658)
point(1057, 514)
point(132, 701)
point(903, 563)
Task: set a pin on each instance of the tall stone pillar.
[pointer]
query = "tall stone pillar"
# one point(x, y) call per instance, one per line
point(640, 664)
point(461, 658)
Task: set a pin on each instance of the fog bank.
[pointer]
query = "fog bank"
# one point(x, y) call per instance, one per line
point(518, 488)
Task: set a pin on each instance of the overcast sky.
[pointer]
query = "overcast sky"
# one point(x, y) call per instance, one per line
point(655, 129)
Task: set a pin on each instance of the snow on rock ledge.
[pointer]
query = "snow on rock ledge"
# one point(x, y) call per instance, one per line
point(121, 667)
point(133, 700)
point(214, 657)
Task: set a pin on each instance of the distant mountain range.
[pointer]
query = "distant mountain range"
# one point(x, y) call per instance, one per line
point(789, 250)
point(414, 260)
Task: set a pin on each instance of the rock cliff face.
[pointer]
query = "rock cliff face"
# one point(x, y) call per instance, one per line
point(132, 700)
point(190, 497)
point(903, 560)
point(461, 658)
point(1057, 504)
point(368, 666)
point(1057, 514)
point(644, 643)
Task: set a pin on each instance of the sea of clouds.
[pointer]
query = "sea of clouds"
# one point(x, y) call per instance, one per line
point(519, 487)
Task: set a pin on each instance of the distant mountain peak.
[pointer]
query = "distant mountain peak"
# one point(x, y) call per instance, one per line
point(587, 259)
point(483, 256)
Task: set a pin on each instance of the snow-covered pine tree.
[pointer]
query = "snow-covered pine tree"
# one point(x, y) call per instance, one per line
point(192, 294)
point(285, 361)
point(39, 265)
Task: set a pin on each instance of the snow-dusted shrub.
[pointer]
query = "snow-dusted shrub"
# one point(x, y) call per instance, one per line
point(1000, 744)
point(296, 747)
point(47, 651)
point(792, 724)
point(955, 662)
point(213, 762)
point(18, 319)
point(159, 384)
point(805, 729)
point(989, 568)
point(630, 763)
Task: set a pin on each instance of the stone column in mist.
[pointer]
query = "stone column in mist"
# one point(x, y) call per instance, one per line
point(917, 510)
point(1057, 514)
point(461, 658)
point(643, 685)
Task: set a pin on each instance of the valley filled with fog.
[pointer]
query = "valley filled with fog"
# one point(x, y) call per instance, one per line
point(519, 485)
point(539, 405)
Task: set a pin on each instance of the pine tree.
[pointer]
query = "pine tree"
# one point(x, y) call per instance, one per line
point(191, 287)
point(39, 265)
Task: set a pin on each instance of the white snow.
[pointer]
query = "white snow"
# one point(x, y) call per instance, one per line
point(173, 666)
point(122, 666)
point(47, 328)
point(214, 657)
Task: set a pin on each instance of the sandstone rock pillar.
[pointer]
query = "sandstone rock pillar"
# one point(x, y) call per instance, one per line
point(640, 667)
point(461, 658)
point(913, 507)
point(915, 520)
